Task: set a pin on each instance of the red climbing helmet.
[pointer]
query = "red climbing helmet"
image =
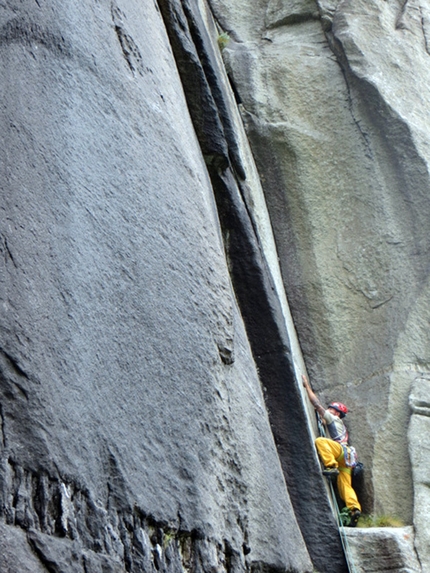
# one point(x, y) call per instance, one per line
point(341, 408)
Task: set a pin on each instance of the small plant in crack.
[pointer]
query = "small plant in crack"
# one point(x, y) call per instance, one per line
point(223, 40)
point(380, 521)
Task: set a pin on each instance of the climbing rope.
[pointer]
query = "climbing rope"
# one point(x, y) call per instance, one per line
point(343, 535)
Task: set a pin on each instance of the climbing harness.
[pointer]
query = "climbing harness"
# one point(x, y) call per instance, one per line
point(343, 516)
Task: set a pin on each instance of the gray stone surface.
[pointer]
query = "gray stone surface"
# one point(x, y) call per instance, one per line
point(231, 170)
point(133, 421)
point(15, 552)
point(419, 450)
point(140, 303)
point(382, 549)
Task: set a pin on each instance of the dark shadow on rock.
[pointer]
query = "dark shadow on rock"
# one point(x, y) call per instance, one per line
point(260, 307)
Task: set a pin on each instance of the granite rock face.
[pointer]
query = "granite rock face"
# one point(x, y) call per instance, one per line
point(334, 96)
point(419, 450)
point(150, 411)
point(134, 430)
point(383, 549)
point(250, 250)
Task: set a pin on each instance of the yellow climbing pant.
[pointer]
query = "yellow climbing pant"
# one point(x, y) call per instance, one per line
point(331, 454)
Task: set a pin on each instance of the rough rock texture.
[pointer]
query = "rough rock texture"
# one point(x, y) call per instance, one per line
point(134, 431)
point(382, 550)
point(16, 554)
point(335, 97)
point(419, 449)
point(219, 130)
point(150, 412)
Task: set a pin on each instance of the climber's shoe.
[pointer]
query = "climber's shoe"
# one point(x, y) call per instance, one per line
point(331, 473)
point(355, 516)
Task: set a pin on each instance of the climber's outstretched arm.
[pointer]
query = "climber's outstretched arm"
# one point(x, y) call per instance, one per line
point(313, 397)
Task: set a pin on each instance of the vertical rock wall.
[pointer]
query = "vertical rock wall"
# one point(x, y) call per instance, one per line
point(419, 428)
point(230, 168)
point(134, 430)
point(335, 97)
point(141, 306)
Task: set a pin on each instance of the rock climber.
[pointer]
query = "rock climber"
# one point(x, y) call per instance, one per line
point(336, 455)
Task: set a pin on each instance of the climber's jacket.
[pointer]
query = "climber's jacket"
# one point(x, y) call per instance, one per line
point(338, 432)
point(336, 428)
